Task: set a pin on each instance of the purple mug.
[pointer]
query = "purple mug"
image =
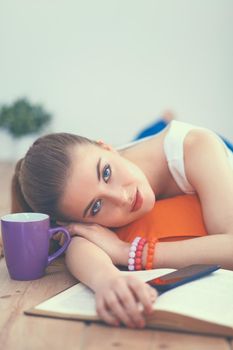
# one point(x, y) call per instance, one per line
point(26, 239)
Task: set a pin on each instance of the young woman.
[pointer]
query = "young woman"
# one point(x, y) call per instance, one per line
point(95, 189)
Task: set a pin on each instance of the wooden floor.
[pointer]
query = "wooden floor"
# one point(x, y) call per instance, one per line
point(21, 332)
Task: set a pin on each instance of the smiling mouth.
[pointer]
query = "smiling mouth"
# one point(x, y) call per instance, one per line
point(137, 202)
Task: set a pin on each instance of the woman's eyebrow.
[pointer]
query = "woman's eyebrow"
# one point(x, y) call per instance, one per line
point(98, 177)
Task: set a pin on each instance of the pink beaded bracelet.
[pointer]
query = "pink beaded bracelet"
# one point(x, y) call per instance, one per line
point(132, 254)
point(139, 251)
point(135, 254)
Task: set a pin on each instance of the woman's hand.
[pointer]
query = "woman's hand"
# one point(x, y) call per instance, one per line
point(117, 295)
point(104, 238)
point(124, 299)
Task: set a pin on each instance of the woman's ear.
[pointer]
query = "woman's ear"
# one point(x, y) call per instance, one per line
point(105, 146)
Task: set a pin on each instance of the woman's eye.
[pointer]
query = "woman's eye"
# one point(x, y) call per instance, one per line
point(107, 173)
point(96, 207)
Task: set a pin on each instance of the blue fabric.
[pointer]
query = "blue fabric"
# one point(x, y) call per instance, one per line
point(159, 125)
point(152, 129)
point(228, 143)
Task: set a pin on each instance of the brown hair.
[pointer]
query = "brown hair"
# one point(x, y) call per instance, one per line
point(40, 177)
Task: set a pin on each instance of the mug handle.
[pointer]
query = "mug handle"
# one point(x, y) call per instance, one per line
point(61, 250)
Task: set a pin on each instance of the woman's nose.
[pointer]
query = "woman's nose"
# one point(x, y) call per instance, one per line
point(121, 197)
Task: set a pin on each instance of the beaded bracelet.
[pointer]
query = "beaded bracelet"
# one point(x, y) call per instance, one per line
point(132, 253)
point(139, 251)
point(150, 253)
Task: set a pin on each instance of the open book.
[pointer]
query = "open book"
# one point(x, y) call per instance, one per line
point(203, 306)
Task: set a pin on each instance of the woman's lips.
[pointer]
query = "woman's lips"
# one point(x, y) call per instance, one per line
point(137, 203)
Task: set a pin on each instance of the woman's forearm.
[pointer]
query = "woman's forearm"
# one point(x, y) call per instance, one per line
point(211, 249)
point(88, 263)
point(116, 295)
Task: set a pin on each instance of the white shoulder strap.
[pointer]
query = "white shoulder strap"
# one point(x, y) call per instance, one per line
point(174, 151)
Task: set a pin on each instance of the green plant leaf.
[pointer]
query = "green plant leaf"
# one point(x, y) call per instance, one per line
point(23, 118)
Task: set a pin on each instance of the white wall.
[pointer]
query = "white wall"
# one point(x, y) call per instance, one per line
point(107, 68)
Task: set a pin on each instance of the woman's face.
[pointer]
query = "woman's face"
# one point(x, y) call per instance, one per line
point(105, 188)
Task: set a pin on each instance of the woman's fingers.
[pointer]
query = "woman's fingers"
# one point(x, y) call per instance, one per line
point(105, 314)
point(121, 302)
point(145, 294)
point(153, 293)
point(116, 306)
point(130, 304)
point(76, 228)
point(113, 311)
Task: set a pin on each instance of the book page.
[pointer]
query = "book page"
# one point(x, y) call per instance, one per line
point(76, 300)
point(209, 298)
point(80, 300)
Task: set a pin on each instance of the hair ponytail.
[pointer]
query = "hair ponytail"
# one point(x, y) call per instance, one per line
point(40, 177)
point(18, 202)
